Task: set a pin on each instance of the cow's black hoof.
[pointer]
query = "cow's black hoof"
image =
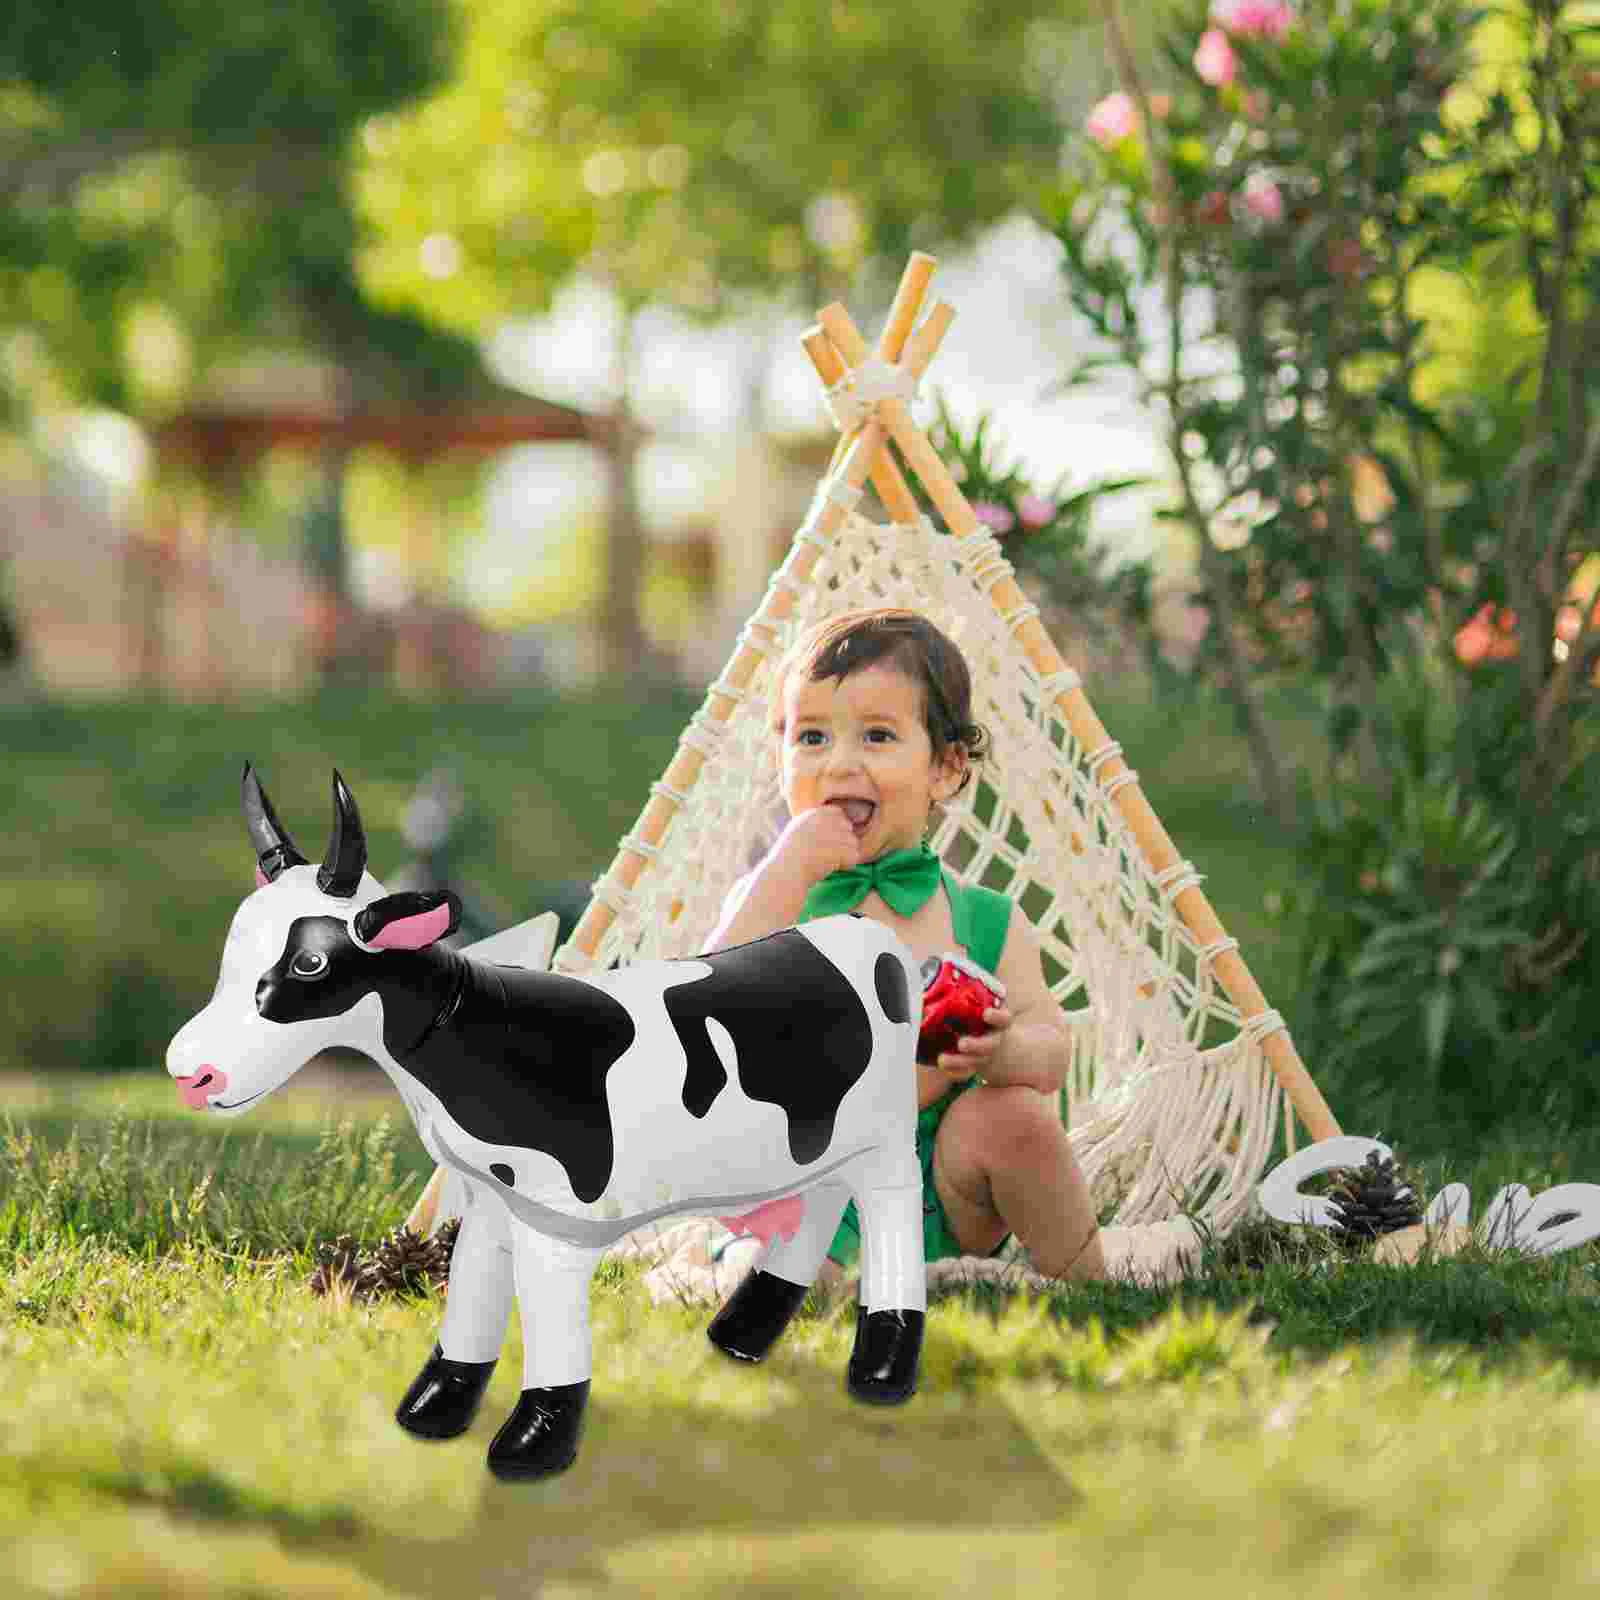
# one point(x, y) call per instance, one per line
point(443, 1399)
point(883, 1365)
point(540, 1438)
point(757, 1312)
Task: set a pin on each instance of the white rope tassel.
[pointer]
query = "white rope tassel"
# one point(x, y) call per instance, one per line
point(1264, 1023)
point(843, 494)
point(1058, 683)
point(1173, 880)
point(856, 395)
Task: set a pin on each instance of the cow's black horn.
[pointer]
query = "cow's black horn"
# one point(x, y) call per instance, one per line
point(275, 850)
point(346, 860)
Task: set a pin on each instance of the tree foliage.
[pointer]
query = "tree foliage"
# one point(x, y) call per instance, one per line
point(172, 180)
point(702, 151)
point(186, 74)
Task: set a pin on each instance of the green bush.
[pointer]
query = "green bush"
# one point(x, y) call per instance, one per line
point(1448, 965)
point(1372, 364)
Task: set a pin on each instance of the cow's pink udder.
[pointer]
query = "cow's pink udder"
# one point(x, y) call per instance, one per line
point(198, 1087)
point(770, 1218)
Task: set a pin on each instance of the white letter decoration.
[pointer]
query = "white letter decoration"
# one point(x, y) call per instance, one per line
point(1559, 1219)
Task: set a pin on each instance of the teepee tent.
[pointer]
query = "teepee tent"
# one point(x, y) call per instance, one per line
point(1179, 1070)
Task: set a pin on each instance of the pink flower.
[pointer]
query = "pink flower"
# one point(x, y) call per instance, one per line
point(1194, 623)
point(1487, 638)
point(1214, 59)
point(1569, 619)
point(994, 516)
point(1035, 510)
point(1112, 120)
point(1270, 19)
point(1264, 199)
point(1346, 259)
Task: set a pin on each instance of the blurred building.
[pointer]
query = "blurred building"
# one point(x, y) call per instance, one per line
point(103, 608)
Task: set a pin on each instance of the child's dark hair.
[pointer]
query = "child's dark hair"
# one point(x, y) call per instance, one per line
point(856, 639)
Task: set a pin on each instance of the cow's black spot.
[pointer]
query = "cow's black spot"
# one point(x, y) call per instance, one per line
point(516, 1057)
point(345, 974)
point(704, 1077)
point(503, 1173)
point(522, 1059)
point(889, 976)
point(800, 1032)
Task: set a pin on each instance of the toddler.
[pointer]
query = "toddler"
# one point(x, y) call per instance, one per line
point(871, 712)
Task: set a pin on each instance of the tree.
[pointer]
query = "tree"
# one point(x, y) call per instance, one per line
point(703, 156)
point(142, 149)
point(173, 188)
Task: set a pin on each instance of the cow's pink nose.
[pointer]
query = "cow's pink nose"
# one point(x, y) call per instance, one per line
point(197, 1089)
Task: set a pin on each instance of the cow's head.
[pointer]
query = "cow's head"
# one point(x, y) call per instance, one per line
point(300, 964)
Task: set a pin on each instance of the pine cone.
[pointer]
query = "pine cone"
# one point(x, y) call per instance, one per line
point(1372, 1200)
point(337, 1263)
point(444, 1244)
point(403, 1263)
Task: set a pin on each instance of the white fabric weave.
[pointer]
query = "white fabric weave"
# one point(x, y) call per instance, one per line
point(1168, 1098)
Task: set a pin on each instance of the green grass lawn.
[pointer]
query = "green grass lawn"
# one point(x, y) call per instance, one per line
point(184, 1417)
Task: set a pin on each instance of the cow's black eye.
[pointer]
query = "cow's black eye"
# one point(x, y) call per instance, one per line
point(309, 964)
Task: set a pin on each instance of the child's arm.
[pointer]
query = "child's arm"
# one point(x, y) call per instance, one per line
point(1033, 1048)
point(760, 903)
point(815, 843)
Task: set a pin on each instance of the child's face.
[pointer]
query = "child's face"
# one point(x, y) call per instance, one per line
point(862, 738)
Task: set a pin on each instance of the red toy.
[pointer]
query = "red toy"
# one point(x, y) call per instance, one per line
point(955, 994)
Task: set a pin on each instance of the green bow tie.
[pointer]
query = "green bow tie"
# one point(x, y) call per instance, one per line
point(905, 879)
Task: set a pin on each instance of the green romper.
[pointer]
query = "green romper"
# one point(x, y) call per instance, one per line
point(980, 918)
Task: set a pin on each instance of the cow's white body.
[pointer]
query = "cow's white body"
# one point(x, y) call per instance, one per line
point(525, 1233)
point(734, 1158)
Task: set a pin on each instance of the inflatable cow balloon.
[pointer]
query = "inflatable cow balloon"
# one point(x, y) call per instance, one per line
point(775, 1077)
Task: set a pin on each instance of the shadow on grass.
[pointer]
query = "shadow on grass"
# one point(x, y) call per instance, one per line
point(1317, 1297)
point(943, 1461)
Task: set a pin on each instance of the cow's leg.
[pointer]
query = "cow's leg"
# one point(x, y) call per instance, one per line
point(759, 1309)
point(894, 1285)
point(444, 1397)
point(541, 1436)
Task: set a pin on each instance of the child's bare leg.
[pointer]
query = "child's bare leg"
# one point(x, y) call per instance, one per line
point(1002, 1162)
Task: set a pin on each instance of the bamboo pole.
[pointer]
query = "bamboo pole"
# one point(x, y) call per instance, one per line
point(887, 478)
point(1129, 799)
point(863, 450)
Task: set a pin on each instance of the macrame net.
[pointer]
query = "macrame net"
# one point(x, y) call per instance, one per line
point(1169, 1101)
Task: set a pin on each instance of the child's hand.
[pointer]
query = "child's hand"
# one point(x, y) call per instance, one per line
point(976, 1051)
point(817, 842)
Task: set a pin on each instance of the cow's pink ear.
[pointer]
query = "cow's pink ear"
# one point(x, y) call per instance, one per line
point(408, 921)
point(262, 880)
